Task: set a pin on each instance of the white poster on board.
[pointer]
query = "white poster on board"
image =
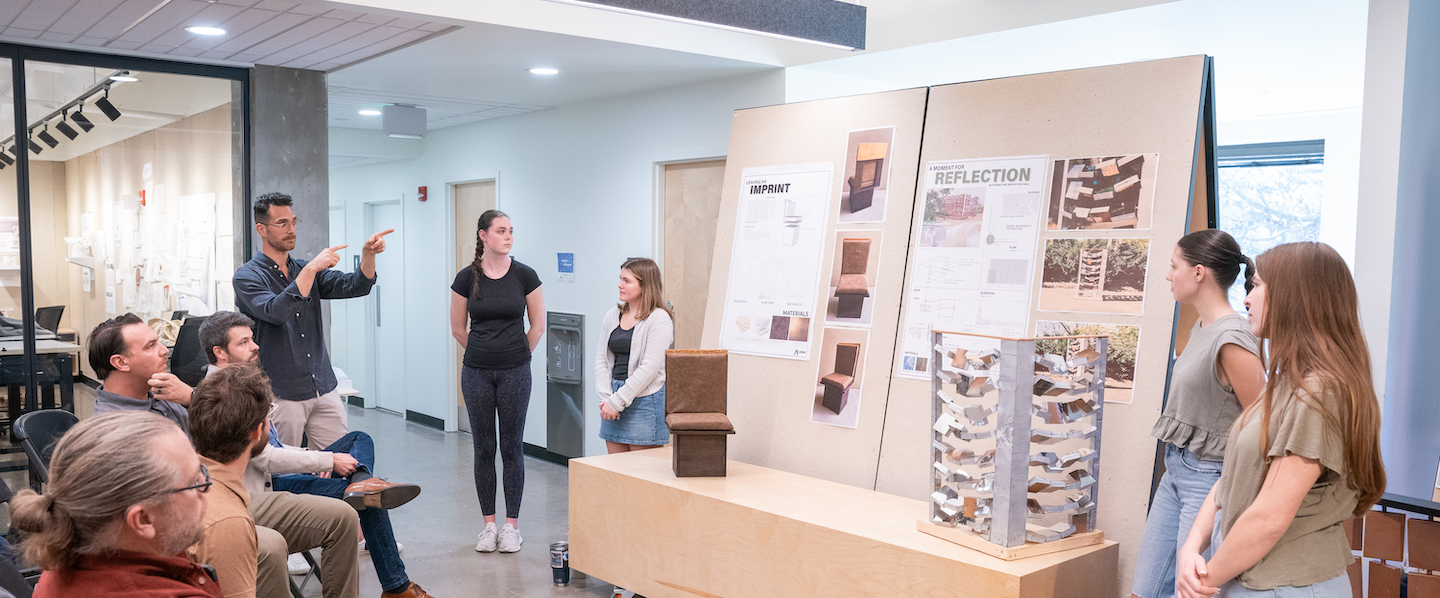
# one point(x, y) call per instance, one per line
point(771, 298)
point(974, 261)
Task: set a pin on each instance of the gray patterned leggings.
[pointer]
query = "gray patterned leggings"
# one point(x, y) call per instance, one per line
point(501, 396)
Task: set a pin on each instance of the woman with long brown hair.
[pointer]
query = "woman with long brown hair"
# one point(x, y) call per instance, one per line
point(495, 294)
point(630, 361)
point(1306, 455)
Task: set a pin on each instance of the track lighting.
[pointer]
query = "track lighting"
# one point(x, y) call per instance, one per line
point(81, 120)
point(64, 128)
point(6, 159)
point(49, 139)
point(35, 147)
point(105, 106)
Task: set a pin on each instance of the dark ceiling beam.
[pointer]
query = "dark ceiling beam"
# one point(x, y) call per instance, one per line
point(824, 21)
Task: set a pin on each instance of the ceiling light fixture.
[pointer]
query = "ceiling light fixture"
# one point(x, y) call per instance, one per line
point(80, 119)
point(828, 23)
point(123, 77)
point(203, 30)
point(35, 147)
point(64, 128)
point(369, 112)
point(5, 158)
point(105, 106)
point(541, 70)
point(49, 139)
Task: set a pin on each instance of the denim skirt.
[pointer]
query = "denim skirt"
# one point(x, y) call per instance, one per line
point(642, 423)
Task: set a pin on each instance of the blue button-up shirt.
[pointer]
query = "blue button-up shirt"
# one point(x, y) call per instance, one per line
point(289, 326)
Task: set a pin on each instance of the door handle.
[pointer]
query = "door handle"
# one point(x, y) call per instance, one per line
point(377, 306)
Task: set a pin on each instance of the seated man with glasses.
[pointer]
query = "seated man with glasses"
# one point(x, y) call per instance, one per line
point(228, 426)
point(124, 501)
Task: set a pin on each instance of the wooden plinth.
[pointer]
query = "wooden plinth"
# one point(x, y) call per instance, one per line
point(972, 540)
point(763, 533)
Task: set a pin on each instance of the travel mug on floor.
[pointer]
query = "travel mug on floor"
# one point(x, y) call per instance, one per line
point(560, 563)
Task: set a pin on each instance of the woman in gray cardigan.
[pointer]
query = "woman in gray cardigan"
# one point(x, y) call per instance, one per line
point(630, 361)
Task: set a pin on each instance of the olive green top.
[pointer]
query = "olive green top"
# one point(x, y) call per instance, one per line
point(1313, 549)
point(1201, 407)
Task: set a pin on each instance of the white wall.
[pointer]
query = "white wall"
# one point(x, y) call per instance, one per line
point(573, 179)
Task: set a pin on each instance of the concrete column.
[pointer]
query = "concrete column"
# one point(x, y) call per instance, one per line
point(289, 149)
point(1411, 412)
point(290, 153)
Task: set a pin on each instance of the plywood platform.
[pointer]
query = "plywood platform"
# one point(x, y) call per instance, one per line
point(765, 533)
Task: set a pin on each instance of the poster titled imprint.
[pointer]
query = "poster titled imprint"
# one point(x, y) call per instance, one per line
point(775, 263)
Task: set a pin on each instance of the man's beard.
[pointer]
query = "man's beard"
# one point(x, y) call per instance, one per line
point(174, 539)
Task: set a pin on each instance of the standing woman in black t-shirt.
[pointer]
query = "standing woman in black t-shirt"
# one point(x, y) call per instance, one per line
point(494, 294)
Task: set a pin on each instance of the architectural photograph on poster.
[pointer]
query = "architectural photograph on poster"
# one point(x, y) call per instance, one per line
point(867, 175)
point(838, 383)
point(953, 216)
point(1094, 275)
point(1120, 363)
point(1101, 193)
point(854, 269)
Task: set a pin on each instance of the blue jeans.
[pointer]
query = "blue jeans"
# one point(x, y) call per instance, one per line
point(1335, 587)
point(375, 523)
point(1183, 488)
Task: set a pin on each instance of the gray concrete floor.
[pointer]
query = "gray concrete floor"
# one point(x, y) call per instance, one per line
point(439, 528)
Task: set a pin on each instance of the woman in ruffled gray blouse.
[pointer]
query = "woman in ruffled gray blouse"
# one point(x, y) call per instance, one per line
point(1218, 374)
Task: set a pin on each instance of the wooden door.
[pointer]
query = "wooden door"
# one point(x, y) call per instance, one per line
point(691, 211)
point(471, 200)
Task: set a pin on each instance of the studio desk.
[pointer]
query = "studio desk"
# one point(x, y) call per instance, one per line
point(766, 533)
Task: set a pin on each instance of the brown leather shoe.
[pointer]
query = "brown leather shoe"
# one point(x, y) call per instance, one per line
point(375, 493)
point(414, 591)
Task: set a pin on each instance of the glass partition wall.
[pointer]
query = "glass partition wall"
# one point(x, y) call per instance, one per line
point(123, 193)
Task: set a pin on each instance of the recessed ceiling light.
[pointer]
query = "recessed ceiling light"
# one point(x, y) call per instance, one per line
point(123, 77)
point(544, 71)
point(206, 30)
point(370, 113)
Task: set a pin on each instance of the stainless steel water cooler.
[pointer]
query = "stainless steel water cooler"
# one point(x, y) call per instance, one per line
point(565, 384)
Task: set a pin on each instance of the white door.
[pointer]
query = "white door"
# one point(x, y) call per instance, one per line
point(340, 310)
point(386, 306)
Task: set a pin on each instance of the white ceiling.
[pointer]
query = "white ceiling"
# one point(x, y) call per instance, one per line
point(304, 34)
point(481, 72)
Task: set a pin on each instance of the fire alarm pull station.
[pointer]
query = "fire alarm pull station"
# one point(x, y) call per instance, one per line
point(422, 194)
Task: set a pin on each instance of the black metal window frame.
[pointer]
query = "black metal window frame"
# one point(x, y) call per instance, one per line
point(20, 54)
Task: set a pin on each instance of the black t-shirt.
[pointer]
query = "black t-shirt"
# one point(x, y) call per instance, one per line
point(497, 316)
point(619, 343)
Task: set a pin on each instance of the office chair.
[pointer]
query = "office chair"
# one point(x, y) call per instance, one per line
point(38, 433)
point(187, 359)
point(49, 317)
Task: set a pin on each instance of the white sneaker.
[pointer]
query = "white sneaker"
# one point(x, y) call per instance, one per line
point(487, 539)
point(510, 539)
point(297, 564)
point(399, 547)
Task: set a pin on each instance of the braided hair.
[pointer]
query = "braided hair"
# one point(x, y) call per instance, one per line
point(486, 219)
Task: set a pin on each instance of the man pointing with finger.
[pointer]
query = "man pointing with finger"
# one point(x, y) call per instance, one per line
point(282, 295)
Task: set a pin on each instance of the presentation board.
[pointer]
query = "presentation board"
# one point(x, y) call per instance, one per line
point(1127, 171)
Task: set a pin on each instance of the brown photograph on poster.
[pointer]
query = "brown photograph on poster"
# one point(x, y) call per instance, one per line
point(1102, 193)
point(867, 175)
point(1119, 366)
point(1094, 275)
point(854, 269)
point(841, 377)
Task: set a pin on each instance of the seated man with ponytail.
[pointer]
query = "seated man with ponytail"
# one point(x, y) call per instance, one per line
point(125, 536)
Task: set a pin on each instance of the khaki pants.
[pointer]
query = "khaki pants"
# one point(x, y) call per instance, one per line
point(322, 418)
point(298, 522)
